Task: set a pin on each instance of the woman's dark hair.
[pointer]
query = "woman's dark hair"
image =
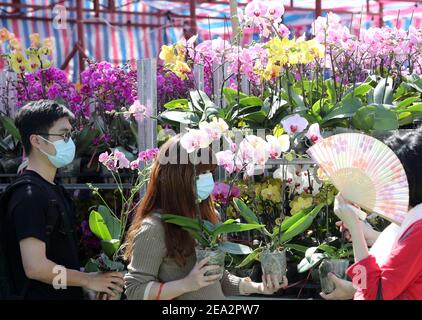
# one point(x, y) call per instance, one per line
point(38, 117)
point(408, 148)
point(171, 190)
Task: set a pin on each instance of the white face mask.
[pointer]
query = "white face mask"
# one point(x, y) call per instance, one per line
point(204, 185)
point(65, 152)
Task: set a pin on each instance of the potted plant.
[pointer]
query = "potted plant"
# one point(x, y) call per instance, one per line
point(209, 237)
point(108, 224)
point(272, 255)
point(327, 258)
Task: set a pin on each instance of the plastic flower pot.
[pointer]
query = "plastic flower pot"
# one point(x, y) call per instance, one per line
point(274, 262)
point(217, 258)
point(335, 266)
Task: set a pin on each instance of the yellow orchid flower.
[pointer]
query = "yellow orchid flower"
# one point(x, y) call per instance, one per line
point(33, 63)
point(300, 203)
point(35, 40)
point(18, 62)
point(15, 44)
point(180, 69)
point(46, 63)
point(44, 51)
point(4, 35)
point(271, 193)
point(48, 43)
point(167, 54)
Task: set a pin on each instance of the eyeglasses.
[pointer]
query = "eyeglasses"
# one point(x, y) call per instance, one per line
point(66, 136)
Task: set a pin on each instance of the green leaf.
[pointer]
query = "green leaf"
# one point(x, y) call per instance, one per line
point(250, 258)
point(176, 117)
point(113, 224)
point(405, 118)
point(301, 225)
point(331, 92)
point(296, 247)
point(200, 100)
point(330, 250)
point(346, 109)
point(235, 227)
point(98, 226)
point(110, 246)
point(255, 117)
point(245, 211)
point(415, 109)
point(383, 92)
point(231, 95)
point(406, 102)
point(113, 265)
point(375, 118)
point(10, 127)
point(178, 104)
point(288, 222)
point(251, 101)
point(306, 264)
point(92, 266)
point(359, 91)
point(234, 248)
point(181, 221)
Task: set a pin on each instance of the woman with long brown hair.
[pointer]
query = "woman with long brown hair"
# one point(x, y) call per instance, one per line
point(161, 256)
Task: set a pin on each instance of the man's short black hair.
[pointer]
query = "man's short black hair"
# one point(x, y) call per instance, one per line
point(408, 148)
point(38, 117)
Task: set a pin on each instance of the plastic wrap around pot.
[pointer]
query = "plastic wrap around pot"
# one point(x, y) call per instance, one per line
point(217, 258)
point(335, 266)
point(273, 262)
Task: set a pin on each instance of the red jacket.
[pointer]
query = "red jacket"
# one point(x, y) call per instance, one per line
point(401, 275)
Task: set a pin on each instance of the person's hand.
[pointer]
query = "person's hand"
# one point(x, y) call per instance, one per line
point(344, 289)
point(196, 279)
point(370, 234)
point(110, 283)
point(269, 285)
point(272, 283)
point(346, 212)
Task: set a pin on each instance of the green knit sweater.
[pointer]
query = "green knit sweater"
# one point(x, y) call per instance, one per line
point(149, 263)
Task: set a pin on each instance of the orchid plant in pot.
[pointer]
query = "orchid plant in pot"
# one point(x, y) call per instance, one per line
point(272, 254)
point(109, 223)
point(325, 259)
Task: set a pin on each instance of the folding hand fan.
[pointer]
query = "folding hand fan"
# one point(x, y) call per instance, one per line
point(366, 172)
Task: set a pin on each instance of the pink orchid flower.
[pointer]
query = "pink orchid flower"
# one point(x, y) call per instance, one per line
point(103, 158)
point(314, 133)
point(256, 9)
point(275, 10)
point(194, 139)
point(294, 124)
point(277, 145)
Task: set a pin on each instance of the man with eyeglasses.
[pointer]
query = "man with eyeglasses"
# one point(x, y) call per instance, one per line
point(38, 227)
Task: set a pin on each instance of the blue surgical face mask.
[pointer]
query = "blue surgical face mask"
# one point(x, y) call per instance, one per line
point(65, 152)
point(204, 185)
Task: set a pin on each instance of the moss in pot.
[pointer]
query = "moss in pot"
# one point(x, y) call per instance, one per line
point(335, 266)
point(273, 262)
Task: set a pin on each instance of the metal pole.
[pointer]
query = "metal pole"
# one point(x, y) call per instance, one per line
point(381, 15)
point(318, 8)
point(80, 41)
point(192, 7)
